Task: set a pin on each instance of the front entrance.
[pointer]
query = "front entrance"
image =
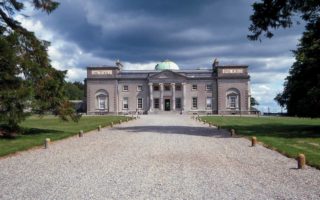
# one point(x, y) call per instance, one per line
point(167, 105)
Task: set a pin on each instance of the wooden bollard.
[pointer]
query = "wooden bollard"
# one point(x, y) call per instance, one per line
point(99, 128)
point(301, 161)
point(111, 124)
point(127, 119)
point(120, 121)
point(253, 141)
point(46, 143)
point(232, 132)
point(210, 124)
point(80, 133)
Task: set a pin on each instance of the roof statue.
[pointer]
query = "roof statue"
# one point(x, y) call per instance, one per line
point(166, 65)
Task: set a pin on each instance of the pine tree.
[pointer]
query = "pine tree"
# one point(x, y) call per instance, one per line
point(27, 79)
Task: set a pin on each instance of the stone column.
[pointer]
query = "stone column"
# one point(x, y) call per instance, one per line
point(151, 97)
point(161, 96)
point(173, 86)
point(184, 96)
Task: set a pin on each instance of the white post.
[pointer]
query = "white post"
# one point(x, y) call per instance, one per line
point(184, 96)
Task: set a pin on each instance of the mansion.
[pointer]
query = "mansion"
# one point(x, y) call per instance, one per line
point(167, 88)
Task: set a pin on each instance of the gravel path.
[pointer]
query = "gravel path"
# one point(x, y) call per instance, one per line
point(155, 157)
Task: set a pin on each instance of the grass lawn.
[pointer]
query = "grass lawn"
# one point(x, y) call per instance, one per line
point(37, 129)
point(289, 136)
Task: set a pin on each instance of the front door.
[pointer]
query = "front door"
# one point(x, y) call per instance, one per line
point(167, 105)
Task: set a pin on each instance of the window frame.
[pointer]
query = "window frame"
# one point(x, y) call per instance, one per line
point(178, 87)
point(178, 103)
point(156, 86)
point(194, 87)
point(127, 103)
point(139, 103)
point(156, 100)
point(194, 107)
point(125, 86)
point(210, 87)
point(209, 107)
point(140, 88)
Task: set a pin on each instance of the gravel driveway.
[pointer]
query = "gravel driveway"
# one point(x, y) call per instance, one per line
point(155, 157)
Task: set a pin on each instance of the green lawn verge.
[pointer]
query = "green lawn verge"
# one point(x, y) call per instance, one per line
point(37, 129)
point(289, 136)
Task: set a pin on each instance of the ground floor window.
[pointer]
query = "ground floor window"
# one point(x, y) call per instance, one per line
point(102, 102)
point(156, 103)
point(178, 103)
point(194, 102)
point(232, 101)
point(209, 102)
point(125, 103)
point(140, 103)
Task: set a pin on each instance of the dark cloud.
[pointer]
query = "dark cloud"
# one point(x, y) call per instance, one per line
point(189, 32)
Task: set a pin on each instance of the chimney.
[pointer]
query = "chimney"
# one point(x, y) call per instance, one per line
point(119, 65)
point(215, 63)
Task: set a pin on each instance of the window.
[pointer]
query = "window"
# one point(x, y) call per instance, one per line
point(178, 87)
point(125, 103)
point(209, 87)
point(125, 88)
point(102, 102)
point(156, 87)
point(178, 103)
point(232, 101)
point(194, 87)
point(140, 103)
point(194, 102)
point(156, 103)
point(167, 87)
point(209, 102)
point(139, 88)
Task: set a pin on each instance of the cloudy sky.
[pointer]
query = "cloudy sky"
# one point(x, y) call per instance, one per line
point(143, 32)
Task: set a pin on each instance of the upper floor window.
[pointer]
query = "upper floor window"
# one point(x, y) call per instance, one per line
point(209, 87)
point(178, 103)
point(194, 87)
point(167, 87)
point(125, 88)
point(139, 88)
point(178, 87)
point(156, 87)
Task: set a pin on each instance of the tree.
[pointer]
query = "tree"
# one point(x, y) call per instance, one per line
point(301, 95)
point(27, 79)
point(253, 102)
point(74, 91)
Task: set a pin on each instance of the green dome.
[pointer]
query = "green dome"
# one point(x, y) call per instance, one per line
point(166, 65)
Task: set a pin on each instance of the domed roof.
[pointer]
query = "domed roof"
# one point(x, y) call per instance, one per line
point(166, 65)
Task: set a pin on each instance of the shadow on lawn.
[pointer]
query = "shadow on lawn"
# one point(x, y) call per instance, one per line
point(30, 131)
point(278, 130)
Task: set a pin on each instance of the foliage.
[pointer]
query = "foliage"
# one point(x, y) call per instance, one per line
point(253, 101)
point(301, 95)
point(288, 135)
point(276, 14)
point(27, 78)
point(36, 130)
point(74, 91)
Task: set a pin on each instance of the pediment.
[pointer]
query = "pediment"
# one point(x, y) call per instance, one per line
point(167, 74)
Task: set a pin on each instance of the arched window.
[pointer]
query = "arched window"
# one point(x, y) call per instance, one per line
point(102, 99)
point(233, 99)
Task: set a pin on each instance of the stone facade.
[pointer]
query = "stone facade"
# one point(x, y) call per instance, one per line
point(220, 90)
